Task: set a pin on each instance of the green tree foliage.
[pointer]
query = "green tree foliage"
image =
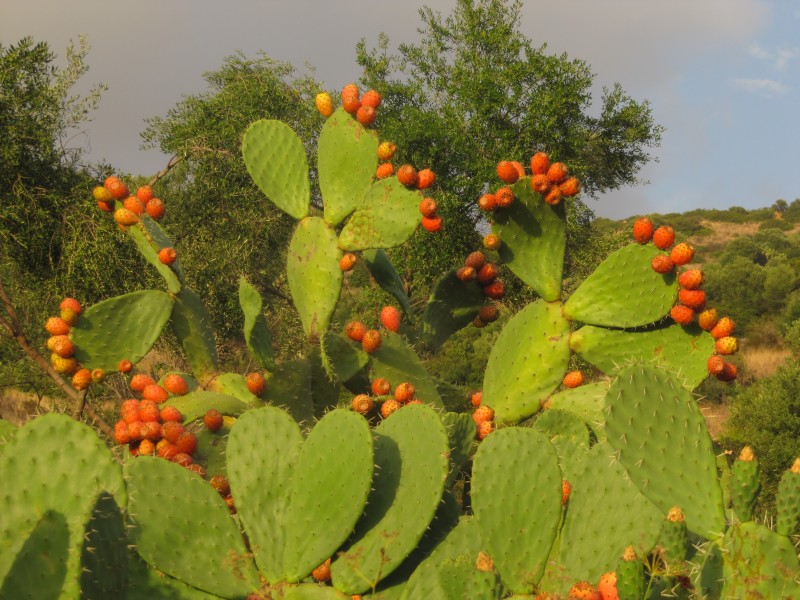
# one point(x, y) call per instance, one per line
point(475, 90)
point(222, 224)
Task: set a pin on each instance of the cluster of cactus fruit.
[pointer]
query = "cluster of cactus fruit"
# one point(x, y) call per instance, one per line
point(354, 472)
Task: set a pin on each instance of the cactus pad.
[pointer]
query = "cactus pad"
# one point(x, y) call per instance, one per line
point(341, 359)
point(192, 325)
point(537, 335)
point(150, 239)
point(787, 501)
point(195, 404)
point(586, 402)
point(518, 523)
point(683, 350)
point(453, 305)
point(604, 504)
point(385, 275)
point(104, 557)
point(315, 278)
point(411, 467)
point(290, 387)
point(569, 436)
point(534, 240)
point(276, 160)
point(460, 436)
point(346, 160)
point(663, 443)
point(169, 504)
point(125, 327)
point(388, 216)
point(624, 291)
point(256, 333)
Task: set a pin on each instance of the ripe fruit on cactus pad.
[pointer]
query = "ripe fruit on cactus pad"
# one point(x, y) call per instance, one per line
point(391, 317)
point(256, 383)
point(324, 104)
point(213, 420)
point(664, 237)
point(573, 379)
point(355, 330)
point(371, 341)
point(643, 230)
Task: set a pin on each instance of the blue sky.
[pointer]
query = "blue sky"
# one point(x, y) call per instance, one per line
point(722, 76)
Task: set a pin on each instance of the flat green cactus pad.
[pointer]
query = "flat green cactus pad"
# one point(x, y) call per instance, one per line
point(518, 522)
point(195, 404)
point(150, 239)
point(527, 362)
point(397, 362)
point(586, 402)
point(656, 427)
point(683, 350)
point(290, 388)
point(276, 160)
point(453, 305)
point(148, 583)
point(256, 333)
point(347, 155)
point(314, 276)
point(624, 291)
point(313, 591)
point(340, 358)
point(534, 240)
point(125, 327)
point(385, 275)
point(104, 556)
point(569, 436)
point(387, 216)
point(192, 325)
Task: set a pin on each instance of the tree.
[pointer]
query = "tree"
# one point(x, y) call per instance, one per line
point(221, 222)
point(475, 90)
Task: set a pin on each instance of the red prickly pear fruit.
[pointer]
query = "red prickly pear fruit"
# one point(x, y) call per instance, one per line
point(488, 313)
point(483, 413)
point(213, 420)
point(146, 448)
point(388, 407)
point(187, 443)
point(371, 98)
point(62, 346)
point(129, 410)
point(133, 204)
point(723, 328)
point(121, 432)
point(726, 345)
point(691, 279)
point(495, 290)
point(553, 196)
point(81, 379)
point(322, 573)
point(682, 254)
point(116, 187)
point(350, 91)
point(149, 411)
point(484, 429)
point(507, 172)
point(351, 104)
point(425, 179)
point(167, 256)
point(196, 468)
point(381, 387)
point(170, 413)
point(151, 430)
point(156, 209)
point(125, 366)
point(540, 163)
point(391, 318)
point(407, 176)
point(583, 590)
point(166, 450)
point(716, 364)
point(70, 316)
point(355, 330)
point(324, 104)
point(571, 186)
point(72, 304)
point(487, 202)
point(664, 237)
point(221, 484)
point(487, 273)
point(172, 430)
point(256, 383)
point(428, 207)
point(366, 115)
point(176, 385)
point(432, 224)
point(184, 459)
point(465, 274)
point(135, 430)
point(573, 379)
point(140, 381)
point(371, 341)
point(156, 393)
point(504, 197)
point(476, 260)
point(662, 263)
point(540, 184)
point(56, 326)
point(384, 170)
point(566, 489)
point(729, 372)
point(476, 398)
point(681, 314)
point(404, 393)
point(607, 586)
point(144, 193)
point(348, 261)
point(708, 319)
point(695, 299)
point(643, 230)
point(362, 404)
point(557, 173)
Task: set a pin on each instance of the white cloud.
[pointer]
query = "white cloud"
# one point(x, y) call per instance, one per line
point(764, 87)
point(779, 58)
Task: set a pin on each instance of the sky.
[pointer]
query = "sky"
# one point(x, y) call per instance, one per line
point(722, 76)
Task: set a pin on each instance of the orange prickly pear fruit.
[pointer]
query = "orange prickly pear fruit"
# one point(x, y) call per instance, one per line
point(156, 209)
point(428, 207)
point(491, 241)
point(384, 170)
point(573, 379)
point(391, 318)
point(723, 328)
point(708, 319)
point(664, 237)
point(507, 172)
point(540, 163)
point(681, 314)
point(371, 341)
point(662, 263)
point(643, 230)
point(372, 99)
point(425, 179)
point(324, 104)
point(362, 403)
point(355, 330)
point(256, 383)
point(381, 386)
point(366, 115)
point(407, 175)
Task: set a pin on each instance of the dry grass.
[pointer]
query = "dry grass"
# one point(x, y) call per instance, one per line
point(762, 361)
point(716, 415)
point(722, 233)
